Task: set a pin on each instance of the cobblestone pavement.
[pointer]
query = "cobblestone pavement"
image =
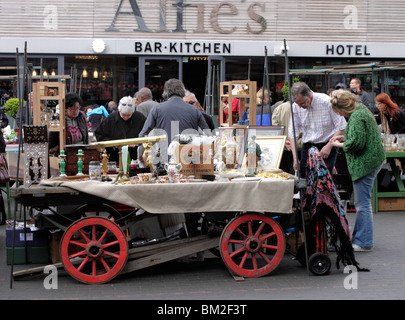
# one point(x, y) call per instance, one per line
point(189, 279)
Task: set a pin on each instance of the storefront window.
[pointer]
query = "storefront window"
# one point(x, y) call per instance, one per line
point(7, 81)
point(100, 79)
point(49, 67)
point(157, 72)
point(395, 86)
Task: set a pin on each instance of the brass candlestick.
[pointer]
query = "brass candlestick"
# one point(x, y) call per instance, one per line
point(104, 163)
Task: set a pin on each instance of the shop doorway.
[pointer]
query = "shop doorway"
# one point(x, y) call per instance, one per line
point(154, 72)
point(195, 75)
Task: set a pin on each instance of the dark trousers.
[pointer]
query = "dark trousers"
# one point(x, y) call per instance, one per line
point(330, 161)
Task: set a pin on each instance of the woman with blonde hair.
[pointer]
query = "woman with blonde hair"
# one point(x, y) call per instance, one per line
point(263, 102)
point(365, 155)
point(391, 116)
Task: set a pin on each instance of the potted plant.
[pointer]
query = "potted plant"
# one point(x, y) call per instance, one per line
point(11, 106)
point(285, 90)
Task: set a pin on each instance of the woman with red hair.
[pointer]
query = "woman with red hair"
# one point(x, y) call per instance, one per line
point(391, 116)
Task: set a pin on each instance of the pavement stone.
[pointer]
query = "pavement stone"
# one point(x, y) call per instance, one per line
point(208, 280)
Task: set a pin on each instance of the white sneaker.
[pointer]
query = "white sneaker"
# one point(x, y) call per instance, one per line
point(357, 248)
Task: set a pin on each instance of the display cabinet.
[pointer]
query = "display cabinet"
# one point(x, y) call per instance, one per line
point(245, 92)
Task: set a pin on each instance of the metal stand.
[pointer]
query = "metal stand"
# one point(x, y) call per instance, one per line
point(266, 86)
point(287, 72)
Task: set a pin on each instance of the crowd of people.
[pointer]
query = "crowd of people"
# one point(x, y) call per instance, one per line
point(345, 118)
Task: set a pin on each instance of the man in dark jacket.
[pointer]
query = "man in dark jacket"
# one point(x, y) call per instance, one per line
point(173, 117)
point(124, 124)
point(174, 113)
point(355, 86)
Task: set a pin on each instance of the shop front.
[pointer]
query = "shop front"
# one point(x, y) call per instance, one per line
point(121, 46)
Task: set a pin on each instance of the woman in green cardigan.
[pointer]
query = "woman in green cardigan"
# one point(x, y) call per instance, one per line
point(362, 145)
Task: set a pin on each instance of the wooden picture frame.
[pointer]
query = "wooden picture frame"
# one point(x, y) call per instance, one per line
point(268, 130)
point(271, 147)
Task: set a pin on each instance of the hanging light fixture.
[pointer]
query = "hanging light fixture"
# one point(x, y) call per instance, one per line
point(34, 73)
point(84, 74)
point(95, 74)
point(53, 73)
point(45, 73)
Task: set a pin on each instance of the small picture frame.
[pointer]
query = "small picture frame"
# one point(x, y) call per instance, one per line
point(271, 148)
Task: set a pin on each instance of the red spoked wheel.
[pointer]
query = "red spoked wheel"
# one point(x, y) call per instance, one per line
point(252, 245)
point(94, 250)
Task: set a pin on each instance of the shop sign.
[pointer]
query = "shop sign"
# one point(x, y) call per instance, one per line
point(221, 9)
point(183, 47)
point(356, 50)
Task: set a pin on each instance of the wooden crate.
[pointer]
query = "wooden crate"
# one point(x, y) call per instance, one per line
point(391, 204)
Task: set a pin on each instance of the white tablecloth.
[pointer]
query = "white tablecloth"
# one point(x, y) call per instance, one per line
point(267, 195)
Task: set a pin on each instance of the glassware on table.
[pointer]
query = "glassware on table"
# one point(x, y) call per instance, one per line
point(401, 142)
point(389, 143)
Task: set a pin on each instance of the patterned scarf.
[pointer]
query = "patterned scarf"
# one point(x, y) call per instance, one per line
point(323, 203)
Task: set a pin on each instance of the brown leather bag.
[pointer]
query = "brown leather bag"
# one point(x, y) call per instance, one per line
point(4, 177)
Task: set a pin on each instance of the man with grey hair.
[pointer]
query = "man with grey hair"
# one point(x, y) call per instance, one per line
point(174, 115)
point(112, 106)
point(314, 117)
point(144, 97)
point(124, 124)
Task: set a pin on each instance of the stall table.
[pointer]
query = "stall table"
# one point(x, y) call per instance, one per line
point(94, 249)
point(391, 157)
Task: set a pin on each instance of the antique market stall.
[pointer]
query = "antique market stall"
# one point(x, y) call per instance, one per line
point(94, 247)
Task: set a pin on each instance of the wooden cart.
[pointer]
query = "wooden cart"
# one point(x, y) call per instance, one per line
point(94, 247)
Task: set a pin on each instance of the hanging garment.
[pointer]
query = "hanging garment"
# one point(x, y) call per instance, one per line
point(323, 202)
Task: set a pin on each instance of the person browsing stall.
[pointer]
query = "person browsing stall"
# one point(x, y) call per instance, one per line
point(391, 116)
point(314, 117)
point(124, 124)
point(3, 124)
point(192, 99)
point(174, 113)
point(355, 86)
point(263, 101)
point(145, 102)
point(365, 155)
point(77, 131)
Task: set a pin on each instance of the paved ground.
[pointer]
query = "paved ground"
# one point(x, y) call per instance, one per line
point(209, 280)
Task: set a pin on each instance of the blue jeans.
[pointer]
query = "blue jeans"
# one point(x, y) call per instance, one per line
point(363, 228)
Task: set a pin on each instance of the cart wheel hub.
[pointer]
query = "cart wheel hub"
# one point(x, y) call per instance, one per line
point(253, 244)
point(94, 249)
